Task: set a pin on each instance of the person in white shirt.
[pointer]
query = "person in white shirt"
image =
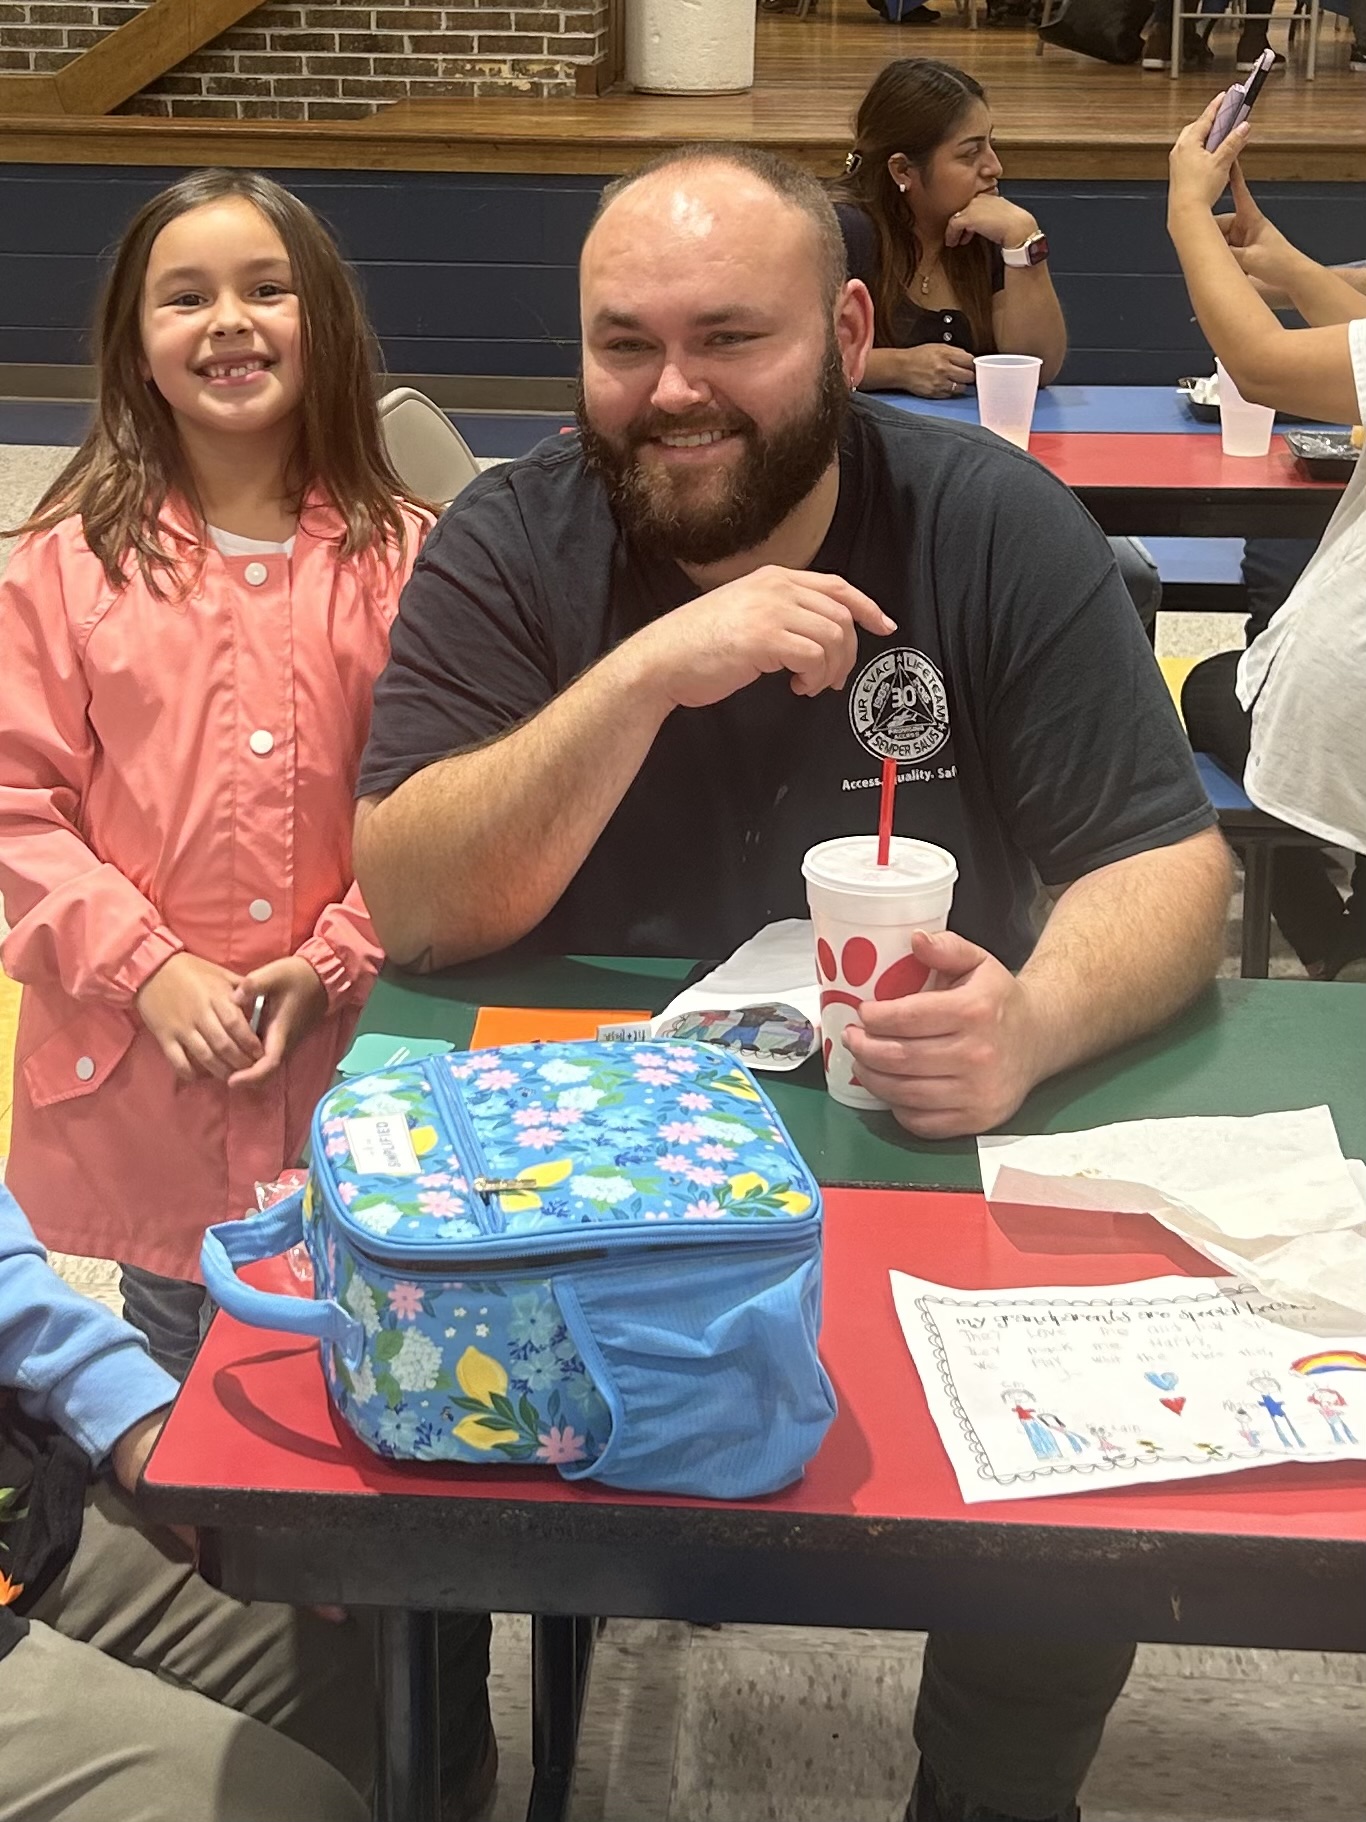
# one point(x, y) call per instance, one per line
point(1304, 678)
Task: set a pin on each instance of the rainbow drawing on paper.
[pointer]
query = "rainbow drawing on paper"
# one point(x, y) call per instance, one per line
point(1331, 1360)
point(1050, 1389)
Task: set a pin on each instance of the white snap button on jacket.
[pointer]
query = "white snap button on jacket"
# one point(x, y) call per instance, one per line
point(262, 741)
point(256, 574)
point(259, 910)
point(85, 1068)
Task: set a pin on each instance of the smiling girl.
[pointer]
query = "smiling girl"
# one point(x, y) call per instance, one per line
point(191, 628)
point(954, 268)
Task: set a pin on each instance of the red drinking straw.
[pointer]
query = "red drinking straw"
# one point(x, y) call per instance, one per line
point(884, 814)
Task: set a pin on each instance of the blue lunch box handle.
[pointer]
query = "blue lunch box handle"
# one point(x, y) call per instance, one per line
point(264, 1236)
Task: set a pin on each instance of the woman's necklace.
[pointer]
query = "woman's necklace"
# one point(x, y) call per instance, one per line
point(927, 276)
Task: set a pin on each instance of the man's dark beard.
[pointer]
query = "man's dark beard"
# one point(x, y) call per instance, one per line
point(777, 471)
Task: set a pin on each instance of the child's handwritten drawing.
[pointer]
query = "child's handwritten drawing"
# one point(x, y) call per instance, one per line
point(1064, 1388)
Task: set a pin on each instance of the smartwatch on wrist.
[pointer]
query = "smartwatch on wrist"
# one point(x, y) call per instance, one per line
point(1033, 251)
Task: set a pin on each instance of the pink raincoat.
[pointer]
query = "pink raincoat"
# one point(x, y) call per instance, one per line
point(176, 774)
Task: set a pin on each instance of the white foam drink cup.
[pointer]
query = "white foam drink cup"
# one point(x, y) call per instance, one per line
point(1007, 386)
point(863, 917)
point(1244, 428)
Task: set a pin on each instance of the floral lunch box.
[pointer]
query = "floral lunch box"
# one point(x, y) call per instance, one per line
point(601, 1256)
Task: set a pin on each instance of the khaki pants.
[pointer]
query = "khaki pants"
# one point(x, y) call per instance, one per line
point(143, 1695)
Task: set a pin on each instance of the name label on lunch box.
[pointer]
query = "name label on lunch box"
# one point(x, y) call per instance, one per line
point(380, 1146)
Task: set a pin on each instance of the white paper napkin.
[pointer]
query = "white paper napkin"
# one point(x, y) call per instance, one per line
point(1270, 1196)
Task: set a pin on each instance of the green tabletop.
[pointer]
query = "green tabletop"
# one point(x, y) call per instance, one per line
point(1243, 1047)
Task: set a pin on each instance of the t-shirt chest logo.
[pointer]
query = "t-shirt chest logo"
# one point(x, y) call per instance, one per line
point(898, 707)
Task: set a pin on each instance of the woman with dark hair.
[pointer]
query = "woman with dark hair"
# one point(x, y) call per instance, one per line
point(953, 267)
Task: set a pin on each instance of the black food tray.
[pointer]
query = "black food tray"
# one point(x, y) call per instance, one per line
point(1325, 455)
point(1207, 414)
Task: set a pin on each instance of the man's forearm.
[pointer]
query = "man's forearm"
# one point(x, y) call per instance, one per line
point(1127, 947)
point(470, 853)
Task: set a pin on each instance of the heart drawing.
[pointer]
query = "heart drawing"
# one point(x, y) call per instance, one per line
point(1176, 1405)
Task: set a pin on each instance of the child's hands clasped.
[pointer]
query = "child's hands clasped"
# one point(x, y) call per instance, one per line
point(190, 1008)
point(296, 1001)
point(200, 1014)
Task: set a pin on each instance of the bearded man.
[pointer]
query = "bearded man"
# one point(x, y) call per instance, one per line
point(636, 674)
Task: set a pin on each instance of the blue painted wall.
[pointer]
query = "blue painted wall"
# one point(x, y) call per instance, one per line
point(472, 274)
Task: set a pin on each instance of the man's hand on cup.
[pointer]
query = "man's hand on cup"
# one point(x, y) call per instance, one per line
point(773, 620)
point(935, 370)
point(956, 1058)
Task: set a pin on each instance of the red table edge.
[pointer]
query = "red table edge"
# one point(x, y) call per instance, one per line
point(1278, 1488)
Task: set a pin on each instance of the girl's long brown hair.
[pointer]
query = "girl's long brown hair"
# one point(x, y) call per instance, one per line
point(913, 106)
point(131, 461)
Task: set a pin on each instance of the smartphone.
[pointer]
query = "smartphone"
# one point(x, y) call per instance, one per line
point(1237, 103)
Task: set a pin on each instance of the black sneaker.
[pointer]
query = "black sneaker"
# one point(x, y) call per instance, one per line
point(931, 1801)
point(1357, 60)
point(1251, 43)
point(1157, 47)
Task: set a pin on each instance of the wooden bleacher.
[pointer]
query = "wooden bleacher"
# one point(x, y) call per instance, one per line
point(1058, 116)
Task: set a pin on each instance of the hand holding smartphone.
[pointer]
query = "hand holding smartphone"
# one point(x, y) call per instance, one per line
point(1237, 103)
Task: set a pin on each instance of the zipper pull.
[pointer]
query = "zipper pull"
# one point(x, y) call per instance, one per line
point(498, 1186)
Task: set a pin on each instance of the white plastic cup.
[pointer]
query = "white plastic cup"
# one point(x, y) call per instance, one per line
point(1007, 386)
point(1244, 428)
point(863, 917)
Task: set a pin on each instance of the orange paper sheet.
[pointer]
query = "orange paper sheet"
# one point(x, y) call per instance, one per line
point(542, 1024)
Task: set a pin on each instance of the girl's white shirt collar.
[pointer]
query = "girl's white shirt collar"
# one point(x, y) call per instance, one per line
point(230, 544)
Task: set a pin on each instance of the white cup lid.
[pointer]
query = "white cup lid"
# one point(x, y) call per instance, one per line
point(849, 864)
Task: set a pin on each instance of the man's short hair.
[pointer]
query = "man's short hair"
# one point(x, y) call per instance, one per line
point(787, 181)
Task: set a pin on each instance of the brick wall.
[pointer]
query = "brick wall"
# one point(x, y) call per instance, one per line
point(330, 60)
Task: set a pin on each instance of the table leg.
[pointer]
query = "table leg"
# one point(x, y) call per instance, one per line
point(1258, 860)
point(561, 1654)
point(408, 1776)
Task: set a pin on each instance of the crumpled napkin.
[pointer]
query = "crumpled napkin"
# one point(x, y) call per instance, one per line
point(1269, 1197)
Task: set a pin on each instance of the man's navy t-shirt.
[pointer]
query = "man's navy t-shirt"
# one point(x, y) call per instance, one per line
point(1030, 723)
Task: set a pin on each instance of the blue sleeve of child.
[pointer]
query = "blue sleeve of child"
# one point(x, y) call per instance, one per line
point(71, 1361)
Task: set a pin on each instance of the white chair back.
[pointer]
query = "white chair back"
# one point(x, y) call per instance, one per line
point(424, 446)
